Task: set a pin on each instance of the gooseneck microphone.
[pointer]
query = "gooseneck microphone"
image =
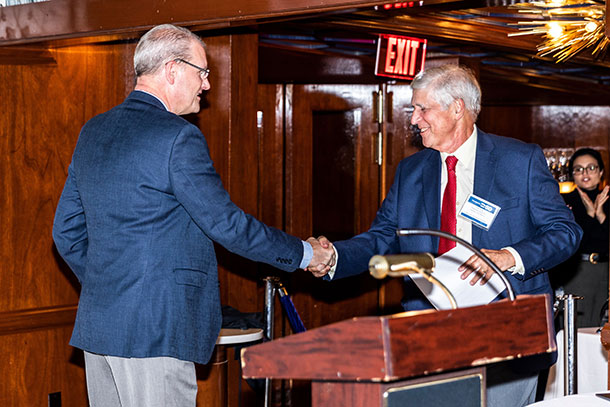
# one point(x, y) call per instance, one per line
point(399, 265)
point(494, 267)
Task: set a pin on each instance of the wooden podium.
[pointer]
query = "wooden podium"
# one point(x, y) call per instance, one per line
point(365, 361)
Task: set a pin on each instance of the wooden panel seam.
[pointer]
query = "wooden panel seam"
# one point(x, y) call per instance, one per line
point(12, 322)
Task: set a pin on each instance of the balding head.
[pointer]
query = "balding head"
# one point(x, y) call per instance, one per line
point(162, 44)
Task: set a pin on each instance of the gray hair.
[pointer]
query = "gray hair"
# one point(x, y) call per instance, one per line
point(447, 83)
point(160, 45)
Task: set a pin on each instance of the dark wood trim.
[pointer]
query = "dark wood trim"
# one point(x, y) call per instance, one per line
point(12, 322)
point(60, 19)
point(26, 56)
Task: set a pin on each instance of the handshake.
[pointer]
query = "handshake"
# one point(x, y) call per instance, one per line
point(324, 257)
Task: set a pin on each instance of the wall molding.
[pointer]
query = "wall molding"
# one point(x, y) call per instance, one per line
point(34, 319)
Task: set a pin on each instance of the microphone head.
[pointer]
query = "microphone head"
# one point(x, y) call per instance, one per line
point(379, 266)
point(399, 264)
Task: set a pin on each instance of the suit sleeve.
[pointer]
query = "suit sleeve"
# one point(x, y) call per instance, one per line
point(69, 227)
point(354, 254)
point(199, 189)
point(557, 234)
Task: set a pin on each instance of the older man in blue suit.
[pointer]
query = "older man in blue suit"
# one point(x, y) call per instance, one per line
point(532, 232)
point(136, 222)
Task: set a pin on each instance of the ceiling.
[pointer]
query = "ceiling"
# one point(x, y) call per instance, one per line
point(472, 32)
point(303, 47)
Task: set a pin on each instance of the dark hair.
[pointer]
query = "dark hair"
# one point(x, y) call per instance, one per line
point(586, 151)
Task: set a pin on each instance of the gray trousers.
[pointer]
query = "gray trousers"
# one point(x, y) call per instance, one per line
point(506, 388)
point(140, 382)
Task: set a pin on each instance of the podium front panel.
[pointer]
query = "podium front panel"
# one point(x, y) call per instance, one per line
point(465, 390)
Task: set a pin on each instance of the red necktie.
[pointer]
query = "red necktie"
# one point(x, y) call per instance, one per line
point(448, 216)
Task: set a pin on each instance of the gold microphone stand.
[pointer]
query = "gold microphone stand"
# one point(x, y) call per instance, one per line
point(400, 265)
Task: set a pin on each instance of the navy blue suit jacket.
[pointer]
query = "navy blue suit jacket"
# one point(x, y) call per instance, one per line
point(135, 222)
point(533, 219)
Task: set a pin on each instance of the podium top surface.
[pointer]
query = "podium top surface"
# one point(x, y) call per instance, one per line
point(408, 344)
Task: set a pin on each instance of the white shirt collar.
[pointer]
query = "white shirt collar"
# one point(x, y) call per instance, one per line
point(465, 153)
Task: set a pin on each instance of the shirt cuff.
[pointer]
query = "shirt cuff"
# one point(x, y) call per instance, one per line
point(518, 268)
point(331, 272)
point(307, 255)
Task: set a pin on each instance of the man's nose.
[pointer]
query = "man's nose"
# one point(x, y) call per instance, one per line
point(415, 117)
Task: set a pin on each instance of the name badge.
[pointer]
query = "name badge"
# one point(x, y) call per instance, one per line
point(479, 212)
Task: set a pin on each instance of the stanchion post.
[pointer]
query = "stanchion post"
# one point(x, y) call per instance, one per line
point(270, 288)
point(570, 345)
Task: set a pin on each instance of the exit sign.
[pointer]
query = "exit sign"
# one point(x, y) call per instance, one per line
point(400, 57)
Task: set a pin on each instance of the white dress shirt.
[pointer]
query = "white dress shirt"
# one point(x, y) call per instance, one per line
point(464, 172)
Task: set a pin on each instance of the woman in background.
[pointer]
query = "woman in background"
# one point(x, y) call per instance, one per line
point(586, 273)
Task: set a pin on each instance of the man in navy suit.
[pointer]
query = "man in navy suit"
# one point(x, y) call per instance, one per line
point(532, 232)
point(136, 221)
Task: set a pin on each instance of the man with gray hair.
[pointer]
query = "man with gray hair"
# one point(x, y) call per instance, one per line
point(136, 221)
point(532, 231)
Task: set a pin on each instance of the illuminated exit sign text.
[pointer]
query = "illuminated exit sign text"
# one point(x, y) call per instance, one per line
point(400, 57)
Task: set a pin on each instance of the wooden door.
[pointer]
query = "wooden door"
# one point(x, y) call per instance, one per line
point(336, 173)
point(332, 188)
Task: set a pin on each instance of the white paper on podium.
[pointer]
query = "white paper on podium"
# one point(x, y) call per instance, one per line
point(446, 271)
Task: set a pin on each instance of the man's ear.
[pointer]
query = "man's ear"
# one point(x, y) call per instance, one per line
point(459, 108)
point(170, 71)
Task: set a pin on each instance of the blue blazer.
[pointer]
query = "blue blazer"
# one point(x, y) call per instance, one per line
point(140, 209)
point(533, 219)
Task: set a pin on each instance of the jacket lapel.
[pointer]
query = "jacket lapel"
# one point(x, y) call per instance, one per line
point(485, 165)
point(431, 179)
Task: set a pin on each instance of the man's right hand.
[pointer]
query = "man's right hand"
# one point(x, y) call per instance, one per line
point(323, 256)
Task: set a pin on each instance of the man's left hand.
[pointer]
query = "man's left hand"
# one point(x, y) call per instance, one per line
point(482, 272)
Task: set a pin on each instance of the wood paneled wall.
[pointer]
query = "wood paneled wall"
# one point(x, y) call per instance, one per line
point(549, 126)
point(552, 126)
point(43, 105)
